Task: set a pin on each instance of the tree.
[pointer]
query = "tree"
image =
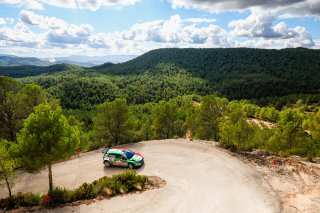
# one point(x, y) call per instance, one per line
point(8, 108)
point(164, 117)
point(46, 137)
point(7, 165)
point(313, 125)
point(209, 117)
point(290, 137)
point(113, 120)
point(16, 105)
point(237, 135)
point(31, 95)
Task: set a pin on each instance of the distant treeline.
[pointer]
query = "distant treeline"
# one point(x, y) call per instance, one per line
point(235, 73)
point(295, 130)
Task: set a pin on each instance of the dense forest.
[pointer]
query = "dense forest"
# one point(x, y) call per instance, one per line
point(237, 73)
point(236, 125)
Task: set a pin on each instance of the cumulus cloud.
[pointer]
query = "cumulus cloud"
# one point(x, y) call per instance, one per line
point(59, 30)
point(177, 30)
point(19, 35)
point(289, 7)
point(59, 37)
point(28, 4)
point(255, 25)
point(72, 4)
point(260, 25)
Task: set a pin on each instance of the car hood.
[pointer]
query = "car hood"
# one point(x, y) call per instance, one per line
point(137, 157)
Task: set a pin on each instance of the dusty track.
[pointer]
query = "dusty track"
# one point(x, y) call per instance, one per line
point(200, 178)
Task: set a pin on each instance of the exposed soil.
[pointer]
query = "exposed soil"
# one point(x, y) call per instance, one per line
point(295, 180)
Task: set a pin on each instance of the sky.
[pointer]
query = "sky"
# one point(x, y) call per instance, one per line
point(56, 28)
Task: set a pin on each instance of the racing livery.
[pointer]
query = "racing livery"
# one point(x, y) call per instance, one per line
point(122, 157)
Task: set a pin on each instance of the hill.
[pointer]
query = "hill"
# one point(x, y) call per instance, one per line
point(236, 72)
point(31, 70)
point(11, 60)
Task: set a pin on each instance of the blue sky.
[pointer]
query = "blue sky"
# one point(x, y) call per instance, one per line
point(55, 28)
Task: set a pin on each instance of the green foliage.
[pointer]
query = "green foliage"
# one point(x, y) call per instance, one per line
point(59, 196)
point(112, 122)
point(20, 200)
point(7, 165)
point(30, 70)
point(209, 117)
point(16, 103)
point(85, 191)
point(117, 184)
point(269, 114)
point(164, 116)
point(45, 138)
point(238, 135)
point(290, 138)
point(236, 72)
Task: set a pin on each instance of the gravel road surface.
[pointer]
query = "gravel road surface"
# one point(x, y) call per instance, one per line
point(200, 178)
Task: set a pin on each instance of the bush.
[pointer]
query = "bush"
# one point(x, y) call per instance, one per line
point(110, 186)
point(59, 196)
point(85, 191)
point(20, 200)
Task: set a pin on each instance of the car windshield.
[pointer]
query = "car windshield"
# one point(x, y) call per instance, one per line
point(129, 154)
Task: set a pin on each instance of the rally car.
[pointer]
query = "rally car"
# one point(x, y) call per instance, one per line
point(122, 157)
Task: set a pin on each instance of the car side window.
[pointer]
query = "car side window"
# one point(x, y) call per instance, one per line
point(111, 156)
point(117, 156)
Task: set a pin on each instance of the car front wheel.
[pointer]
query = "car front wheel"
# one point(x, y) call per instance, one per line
point(130, 166)
point(107, 163)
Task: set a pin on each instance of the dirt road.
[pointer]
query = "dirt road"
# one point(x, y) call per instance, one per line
point(200, 178)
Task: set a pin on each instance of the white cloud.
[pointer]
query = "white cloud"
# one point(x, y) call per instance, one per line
point(60, 38)
point(33, 5)
point(59, 30)
point(260, 25)
point(6, 21)
point(289, 7)
point(71, 4)
point(10, 20)
point(19, 35)
point(176, 30)
point(200, 20)
point(255, 25)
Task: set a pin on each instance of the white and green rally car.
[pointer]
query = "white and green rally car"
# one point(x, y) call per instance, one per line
point(122, 157)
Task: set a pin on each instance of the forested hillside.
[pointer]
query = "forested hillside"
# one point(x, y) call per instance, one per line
point(80, 89)
point(31, 70)
point(11, 60)
point(236, 72)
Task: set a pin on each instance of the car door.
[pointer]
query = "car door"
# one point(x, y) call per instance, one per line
point(120, 160)
point(111, 159)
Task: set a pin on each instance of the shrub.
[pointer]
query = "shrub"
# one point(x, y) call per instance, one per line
point(20, 200)
point(110, 186)
point(85, 191)
point(59, 196)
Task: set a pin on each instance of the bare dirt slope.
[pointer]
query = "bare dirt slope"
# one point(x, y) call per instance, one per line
point(296, 181)
point(199, 178)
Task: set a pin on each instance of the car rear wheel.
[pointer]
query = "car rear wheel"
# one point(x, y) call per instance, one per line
point(107, 163)
point(130, 166)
